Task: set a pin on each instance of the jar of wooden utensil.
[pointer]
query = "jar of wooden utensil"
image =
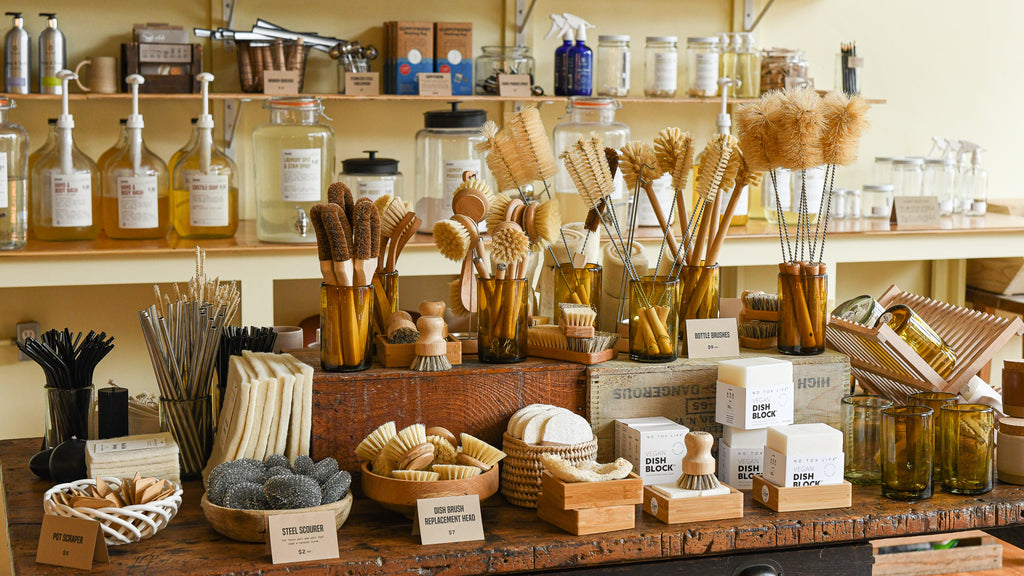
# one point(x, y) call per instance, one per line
point(578, 286)
point(653, 319)
point(502, 318)
point(700, 298)
point(803, 292)
point(346, 314)
point(385, 294)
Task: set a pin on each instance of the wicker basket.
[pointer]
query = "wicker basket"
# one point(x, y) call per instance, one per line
point(122, 525)
point(521, 469)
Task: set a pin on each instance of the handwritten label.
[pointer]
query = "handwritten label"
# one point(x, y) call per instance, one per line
point(915, 211)
point(712, 338)
point(281, 82)
point(451, 519)
point(302, 537)
point(855, 62)
point(128, 445)
point(514, 85)
point(435, 83)
point(71, 542)
point(362, 83)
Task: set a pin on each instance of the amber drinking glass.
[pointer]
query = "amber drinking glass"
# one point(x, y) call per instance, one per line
point(907, 452)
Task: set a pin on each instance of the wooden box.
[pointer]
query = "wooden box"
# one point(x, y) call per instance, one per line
point(580, 495)
point(703, 509)
point(799, 498)
point(975, 551)
point(172, 68)
point(402, 355)
point(587, 520)
point(999, 275)
point(572, 356)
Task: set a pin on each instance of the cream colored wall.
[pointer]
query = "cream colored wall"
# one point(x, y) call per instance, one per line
point(935, 61)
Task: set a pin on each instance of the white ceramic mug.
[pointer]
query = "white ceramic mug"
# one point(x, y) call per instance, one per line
point(102, 74)
point(288, 338)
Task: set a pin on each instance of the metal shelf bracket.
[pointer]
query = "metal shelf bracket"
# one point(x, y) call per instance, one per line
point(749, 21)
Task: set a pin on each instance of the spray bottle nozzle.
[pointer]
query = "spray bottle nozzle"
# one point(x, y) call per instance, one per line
point(578, 24)
point(559, 26)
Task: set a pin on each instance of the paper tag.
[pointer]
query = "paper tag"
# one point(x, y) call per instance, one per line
point(302, 537)
point(281, 82)
point(804, 470)
point(712, 338)
point(451, 519)
point(915, 211)
point(362, 83)
point(128, 445)
point(71, 542)
point(854, 61)
point(514, 85)
point(434, 83)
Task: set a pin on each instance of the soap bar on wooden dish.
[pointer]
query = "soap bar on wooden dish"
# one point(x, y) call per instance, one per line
point(673, 492)
point(759, 371)
point(801, 439)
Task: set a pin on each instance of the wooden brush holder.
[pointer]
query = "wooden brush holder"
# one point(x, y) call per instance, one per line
point(402, 355)
point(797, 498)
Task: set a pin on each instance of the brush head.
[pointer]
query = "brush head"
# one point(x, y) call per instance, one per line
point(713, 165)
point(547, 222)
point(496, 214)
point(502, 155)
point(732, 170)
point(382, 203)
point(452, 239)
point(366, 231)
point(338, 193)
point(332, 215)
point(577, 314)
point(755, 131)
point(455, 305)
point(845, 120)
point(799, 130)
point(509, 244)
point(587, 166)
point(323, 244)
point(536, 160)
point(638, 158)
point(674, 150)
point(611, 156)
point(472, 198)
point(594, 218)
point(391, 216)
point(546, 336)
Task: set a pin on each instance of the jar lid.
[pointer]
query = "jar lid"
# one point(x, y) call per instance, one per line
point(1011, 426)
point(877, 187)
point(663, 39)
point(455, 118)
point(940, 161)
point(908, 161)
point(702, 39)
point(613, 38)
point(294, 103)
point(369, 165)
point(592, 102)
point(6, 103)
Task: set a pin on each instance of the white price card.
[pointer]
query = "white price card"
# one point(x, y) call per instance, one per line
point(302, 537)
point(128, 445)
point(712, 338)
point(449, 519)
point(362, 83)
point(915, 211)
point(514, 85)
point(434, 83)
point(281, 82)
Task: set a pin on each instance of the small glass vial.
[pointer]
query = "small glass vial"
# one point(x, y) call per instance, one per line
point(838, 208)
point(940, 181)
point(852, 204)
point(613, 63)
point(702, 66)
point(876, 200)
point(883, 169)
point(907, 176)
point(294, 161)
point(372, 177)
point(661, 66)
point(14, 173)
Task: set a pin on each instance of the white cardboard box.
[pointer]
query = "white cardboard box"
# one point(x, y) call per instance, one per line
point(737, 466)
point(654, 446)
point(754, 407)
point(805, 470)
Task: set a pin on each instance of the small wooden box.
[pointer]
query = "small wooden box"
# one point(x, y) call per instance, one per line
point(581, 495)
point(572, 356)
point(975, 551)
point(799, 498)
point(178, 68)
point(703, 509)
point(587, 520)
point(402, 355)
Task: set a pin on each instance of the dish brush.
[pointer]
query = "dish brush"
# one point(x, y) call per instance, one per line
point(401, 329)
point(476, 452)
point(698, 464)
point(546, 336)
point(323, 245)
point(339, 194)
point(674, 150)
point(372, 445)
point(577, 323)
point(365, 241)
point(431, 349)
point(472, 198)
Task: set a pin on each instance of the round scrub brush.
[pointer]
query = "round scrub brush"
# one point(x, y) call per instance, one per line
point(452, 239)
point(637, 156)
point(509, 244)
point(455, 299)
point(476, 452)
point(443, 433)
point(499, 206)
point(371, 446)
point(416, 475)
point(545, 222)
point(431, 349)
point(444, 451)
point(455, 472)
point(401, 329)
point(473, 199)
point(698, 464)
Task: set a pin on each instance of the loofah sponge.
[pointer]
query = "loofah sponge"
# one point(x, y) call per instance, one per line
point(290, 492)
point(324, 469)
point(245, 496)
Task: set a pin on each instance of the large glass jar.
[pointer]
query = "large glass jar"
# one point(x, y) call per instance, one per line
point(702, 66)
point(13, 172)
point(66, 190)
point(445, 148)
point(661, 66)
point(782, 69)
point(136, 191)
point(588, 117)
point(883, 169)
point(940, 181)
point(921, 337)
point(907, 176)
point(372, 177)
point(500, 60)
point(613, 61)
point(294, 165)
point(204, 189)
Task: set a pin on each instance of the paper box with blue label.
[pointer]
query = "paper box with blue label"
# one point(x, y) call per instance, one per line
point(411, 51)
point(653, 445)
point(754, 393)
point(453, 54)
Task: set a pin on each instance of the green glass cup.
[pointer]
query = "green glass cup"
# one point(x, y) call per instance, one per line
point(968, 443)
point(907, 454)
point(935, 401)
point(862, 437)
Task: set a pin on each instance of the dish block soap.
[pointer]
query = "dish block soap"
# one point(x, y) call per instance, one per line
point(65, 194)
point(136, 184)
point(204, 190)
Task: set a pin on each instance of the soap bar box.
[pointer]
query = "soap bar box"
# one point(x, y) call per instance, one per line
point(787, 470)
point(453, 54)
point(653, 445)
point(410, 50)
point(754, 407)
point(738, 466)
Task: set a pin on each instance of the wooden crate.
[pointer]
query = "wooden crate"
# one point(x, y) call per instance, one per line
point(703, 509)
point(999, 275)
point(579, 495)
point(587, 520)
point(797, 498)
point(182, 80)
point(975, 551)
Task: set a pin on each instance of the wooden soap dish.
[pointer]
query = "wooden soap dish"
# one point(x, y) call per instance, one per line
point(402, 355)
point(590, 507)
point(797, 498)
point(701, 509)
point(572, 356)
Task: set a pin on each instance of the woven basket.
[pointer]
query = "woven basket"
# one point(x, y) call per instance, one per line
point(120, 525)
point(521, 469)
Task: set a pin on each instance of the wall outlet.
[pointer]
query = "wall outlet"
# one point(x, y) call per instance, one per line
point(26, 330)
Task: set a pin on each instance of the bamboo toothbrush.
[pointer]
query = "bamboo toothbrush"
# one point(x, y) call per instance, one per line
point(431, 349)
point(323, 245)
point(698, 464)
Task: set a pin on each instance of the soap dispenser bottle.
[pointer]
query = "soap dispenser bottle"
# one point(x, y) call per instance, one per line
point(136, 196)
point(120, 144)
point(14, 176)
point(204, 190)
point(65, 195)
point(17, 56)
point(53, 56)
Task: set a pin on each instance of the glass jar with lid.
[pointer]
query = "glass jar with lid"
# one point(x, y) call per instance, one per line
point(907, 176)
point(294, 165)
point(372, 177)
point(445, 148)
point(782, 68)
point(702, 66)
point(940, 181)
point(876, 200)
point(661, 66)
point(497, 60)
point(883, 169)
point(588, 117)
point(613, 62)
point(14, 173)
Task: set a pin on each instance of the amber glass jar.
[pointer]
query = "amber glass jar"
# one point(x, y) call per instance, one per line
point(968, 443)
point(502, 320)
point(578, 286)
point(907, 452)
point(802, 316)
point(701, 297)
point(653, 319)
point(935, 401)
point(385, 292)
point(913, 330)
point(345, 327)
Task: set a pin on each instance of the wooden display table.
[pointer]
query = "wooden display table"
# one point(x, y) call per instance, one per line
point(375, 541)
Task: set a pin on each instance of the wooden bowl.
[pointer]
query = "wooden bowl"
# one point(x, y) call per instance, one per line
point(401, 495)
point(250, 525)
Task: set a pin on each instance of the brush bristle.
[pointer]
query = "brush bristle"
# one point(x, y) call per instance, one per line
point(577, 314)
point(455, 299)
point(548, 222)
point(509, 244)
point(713, 165)
point(323, 244)
point(587, 165)
point(611, 157)
point(503, 160)
point(366, 232)
point(638, 157)
point(755, 131)
point(375, 442)
point(482, 451)
point(701, 482)
point(431, 363)
point(537, 161)
point(392, 216)
point(403, 336)
point(593, 220)
point(455, 472)
point(382, 203)
point(845, 120)
point(732, 170)
point(452, 239)
point(800, 128)
point(547, 336)
point(332, 216)
point(496, 215)
point(475, 183)
point(444, 452)
point(674, 151)
point(338, 193)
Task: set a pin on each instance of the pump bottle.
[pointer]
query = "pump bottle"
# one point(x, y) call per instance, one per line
point(53, 56)
point(17, 57)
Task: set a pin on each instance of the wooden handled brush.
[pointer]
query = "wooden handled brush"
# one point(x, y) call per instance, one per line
point(339, 194)
point(431, 349)
point(698, 464)
point(323, 245)
point(332, 217)
point(674, 151)
point(640, 167)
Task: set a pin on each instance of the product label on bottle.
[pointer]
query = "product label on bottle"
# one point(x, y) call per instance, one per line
point(3, 178)
point(742, 205)
point(663, 191)
point(208, 200)
point(137, 202)
point(300, 175)
point(71, 199)
point(374, 189)
point(811, 182)
point(666, 65)
point(453, 170)
point(706, 73)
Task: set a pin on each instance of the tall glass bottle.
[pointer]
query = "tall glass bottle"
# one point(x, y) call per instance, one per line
point(136, 184)
point(294, 156)
point(190, 145)
point(65, 193)
point(204, 190)
point(14, 173)
point(33, 158)
point(120, 144)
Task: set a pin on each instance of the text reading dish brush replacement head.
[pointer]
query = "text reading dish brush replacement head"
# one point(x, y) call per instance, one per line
point(845, 120)
point(536, 160)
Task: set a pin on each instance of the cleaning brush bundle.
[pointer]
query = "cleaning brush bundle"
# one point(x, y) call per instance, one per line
point(397, 226)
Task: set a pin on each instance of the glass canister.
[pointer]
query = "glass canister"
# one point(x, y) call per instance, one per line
point(907, 176)
point(445, 148)
point(701, 297)
point(907, 452)
point(661, 66)
point(577, 286)
point(839, 205)
point(372, 177)
point(940, 181)
point(294, 165)
point(702, 66)
point(782, 69)
point(67, 414)
point(14, 172)
point(853, 203)
point(588, 117)
point(802, 314)
point(497, 60)
point(935, 401)
point(863, 310)
point(190, 423)
point(502, 318)
point(968, 445)
point(913, 330)
point(346, 332)
point(613, 62)
point(653, 319)
point(876, 200)
point(883, 169)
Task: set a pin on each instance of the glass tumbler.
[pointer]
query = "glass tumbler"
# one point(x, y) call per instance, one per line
point(907, 452)
point(578, 286)
point(190, 422)
point(701, 296)
point(935, 401)
point(653, 319)
point(67, 414)
point(346, 314)
point(968, 442)
point(862, 437)
point(502, 319)
point(802, 312)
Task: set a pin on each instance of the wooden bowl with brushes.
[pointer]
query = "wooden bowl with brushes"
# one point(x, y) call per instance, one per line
point(401, 495)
